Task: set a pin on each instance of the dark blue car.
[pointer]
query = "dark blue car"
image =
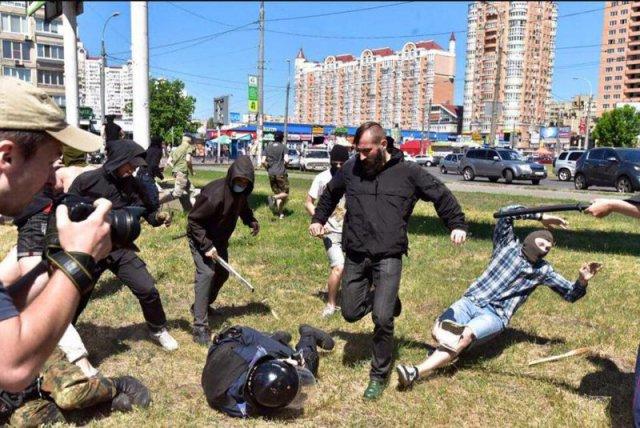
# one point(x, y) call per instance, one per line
point(609, 167)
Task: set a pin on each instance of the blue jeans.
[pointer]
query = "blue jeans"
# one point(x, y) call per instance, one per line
point(484, 322)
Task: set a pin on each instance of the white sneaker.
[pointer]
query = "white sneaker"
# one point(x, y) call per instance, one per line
point(329, 310)
point(165, 340)
point(86, 367)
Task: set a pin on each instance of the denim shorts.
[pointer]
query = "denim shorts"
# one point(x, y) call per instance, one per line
point(484, 322)
point(31, 236)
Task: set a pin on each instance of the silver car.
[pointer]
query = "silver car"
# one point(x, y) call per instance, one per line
point(495, 163)
point(450, 163)
point(564, 166)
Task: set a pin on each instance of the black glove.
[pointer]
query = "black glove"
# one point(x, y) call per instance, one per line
point(131, 392)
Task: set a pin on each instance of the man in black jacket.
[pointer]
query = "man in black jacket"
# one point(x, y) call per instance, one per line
point(115, 181)
point(212, 220)
point(381, 191)
point(154, 156)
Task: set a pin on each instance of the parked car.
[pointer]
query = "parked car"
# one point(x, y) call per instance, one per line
point(500, 163)
point(608, 167)
point(451, 163)
point(564, 166)
point(294, 159)
point(315, 160)
point(427, 160)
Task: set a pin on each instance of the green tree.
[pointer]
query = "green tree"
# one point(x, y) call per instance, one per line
point(170, 110)
point(619, 127)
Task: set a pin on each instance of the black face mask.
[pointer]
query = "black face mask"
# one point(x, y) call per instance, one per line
point(531, 250)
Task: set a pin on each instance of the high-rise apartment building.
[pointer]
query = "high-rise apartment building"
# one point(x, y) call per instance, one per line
point(620, 55)
point(511, 45)
point(382, 85)
point(32, 50)
point(118, 86)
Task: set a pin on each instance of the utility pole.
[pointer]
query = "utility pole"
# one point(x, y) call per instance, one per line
point(286, 105)
point(259, 128)
point(496, 88)
point(71, 61)
point(140, 59)
point(586, 138)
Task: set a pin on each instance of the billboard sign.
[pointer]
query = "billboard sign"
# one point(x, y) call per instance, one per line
point(547, 132)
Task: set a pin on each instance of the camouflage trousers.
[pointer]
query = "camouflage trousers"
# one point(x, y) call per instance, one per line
point(67, 388)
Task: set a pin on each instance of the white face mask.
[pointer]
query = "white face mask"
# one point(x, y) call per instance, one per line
point(237, 188)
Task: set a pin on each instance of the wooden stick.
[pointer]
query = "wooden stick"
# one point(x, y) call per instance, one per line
point(575, 352)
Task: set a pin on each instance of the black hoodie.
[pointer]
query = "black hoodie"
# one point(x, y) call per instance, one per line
point(379, 208)
point(122, 192)
point(213, 218)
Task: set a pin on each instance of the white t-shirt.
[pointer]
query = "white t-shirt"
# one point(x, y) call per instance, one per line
point(334, 224)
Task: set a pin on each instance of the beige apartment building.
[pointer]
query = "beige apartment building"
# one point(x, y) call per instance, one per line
point(32, 50)
point(573, 113)
point(381, 84)
point(511, 43)
point(619, 81)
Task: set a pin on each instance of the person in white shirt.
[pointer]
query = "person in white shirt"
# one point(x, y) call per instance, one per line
point(333, 229)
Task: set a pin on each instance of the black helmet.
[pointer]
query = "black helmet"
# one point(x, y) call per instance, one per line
point(272, 384)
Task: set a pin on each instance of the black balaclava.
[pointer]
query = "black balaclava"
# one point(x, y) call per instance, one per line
point(531, 250)
point(338, 154)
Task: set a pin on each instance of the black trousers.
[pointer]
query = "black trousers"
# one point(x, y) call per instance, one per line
point(306, 346)
point(132, 271)
point(209, 279)
point(360, 274)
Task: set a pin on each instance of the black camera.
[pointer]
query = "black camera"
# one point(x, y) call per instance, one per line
point(125, 222)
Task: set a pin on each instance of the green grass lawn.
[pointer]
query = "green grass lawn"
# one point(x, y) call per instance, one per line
point(492, 386)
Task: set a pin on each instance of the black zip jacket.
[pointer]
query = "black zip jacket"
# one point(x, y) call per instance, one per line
point(213, 218)
point(122, 192)
point(378, 209)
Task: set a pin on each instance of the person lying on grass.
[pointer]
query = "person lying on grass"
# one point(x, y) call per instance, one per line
point(516, 269)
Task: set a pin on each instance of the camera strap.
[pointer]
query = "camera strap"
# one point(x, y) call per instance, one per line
point(78, 267)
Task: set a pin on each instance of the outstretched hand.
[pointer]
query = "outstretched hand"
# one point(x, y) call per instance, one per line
point(554, 222)
point(589, 270)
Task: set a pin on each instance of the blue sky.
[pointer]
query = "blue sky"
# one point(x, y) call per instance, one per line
point(218, 61)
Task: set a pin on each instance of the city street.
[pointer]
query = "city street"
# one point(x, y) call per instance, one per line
point(549, 188)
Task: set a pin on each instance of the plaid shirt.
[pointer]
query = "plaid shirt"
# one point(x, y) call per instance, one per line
point(510, 278)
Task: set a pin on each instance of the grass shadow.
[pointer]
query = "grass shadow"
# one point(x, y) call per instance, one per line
point(580, 240)
point(358, 346)
point(107, 288)
point(105, 341)
point(222, 314)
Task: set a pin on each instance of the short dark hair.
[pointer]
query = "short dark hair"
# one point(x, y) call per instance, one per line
point(28, 141)
point(278, 136)
point(376, 129)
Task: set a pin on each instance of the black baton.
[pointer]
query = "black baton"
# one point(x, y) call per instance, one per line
point(541, 209)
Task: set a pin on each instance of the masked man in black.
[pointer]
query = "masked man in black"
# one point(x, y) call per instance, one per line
point(381, 191)
point(250, 373)
point(116, 182)
point(212, 220)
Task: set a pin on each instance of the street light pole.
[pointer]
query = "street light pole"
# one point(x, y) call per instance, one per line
point(286, 105)
point(586, 138)
point(103, 54)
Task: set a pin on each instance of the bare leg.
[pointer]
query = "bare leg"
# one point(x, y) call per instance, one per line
point(9, 268)
point(441, 357)
point(333, 284)
point(26, 264)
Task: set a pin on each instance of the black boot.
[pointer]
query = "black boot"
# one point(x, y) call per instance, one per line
point(131, 392)
point(323, 340)
point(202, 335)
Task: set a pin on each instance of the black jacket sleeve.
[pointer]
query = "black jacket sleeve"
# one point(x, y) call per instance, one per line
point(330, 198)
point(246, 213)
point(147, 192)
point(76, 186)
point(433, 190)
point(201, 212)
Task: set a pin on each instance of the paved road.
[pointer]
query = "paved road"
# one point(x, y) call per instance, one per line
point(549, 188)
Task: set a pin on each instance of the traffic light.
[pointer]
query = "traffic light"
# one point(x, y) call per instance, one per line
point(221, 110)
